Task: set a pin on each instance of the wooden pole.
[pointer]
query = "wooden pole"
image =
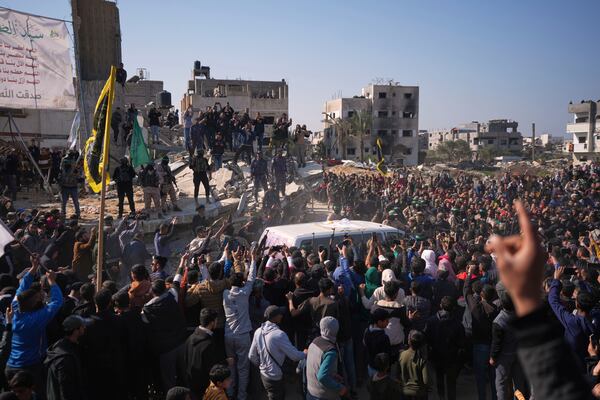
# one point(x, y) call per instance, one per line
point(105, 162)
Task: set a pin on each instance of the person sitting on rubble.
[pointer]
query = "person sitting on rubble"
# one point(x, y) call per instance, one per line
point(199, 164)
point(150, 180)
point(167, 185)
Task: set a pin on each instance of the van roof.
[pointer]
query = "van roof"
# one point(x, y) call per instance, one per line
point(325, 228)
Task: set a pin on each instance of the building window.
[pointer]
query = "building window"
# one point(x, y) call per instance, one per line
point(431, 135)
point(430, 144)
point(408, 95)
point(366, 149)
point(394, 132)
point(382, 114)
point(352, 151)
point(381, 132)
point(350, 114)
point(407, 114)
point(393, 112)
point(406, 133)
point(490, 141)
point(503, 142)
point(393, 94)
point(382, 95)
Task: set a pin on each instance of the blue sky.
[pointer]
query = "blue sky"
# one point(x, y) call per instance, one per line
point(473, 59)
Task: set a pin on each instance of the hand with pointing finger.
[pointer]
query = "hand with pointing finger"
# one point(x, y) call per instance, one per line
point(520, 261)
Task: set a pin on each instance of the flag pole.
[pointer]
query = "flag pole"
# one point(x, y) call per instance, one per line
point(105, 162)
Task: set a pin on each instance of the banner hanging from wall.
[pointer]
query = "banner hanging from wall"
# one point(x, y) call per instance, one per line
point(35, 62)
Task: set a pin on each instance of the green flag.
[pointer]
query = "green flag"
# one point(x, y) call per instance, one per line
point(138, 149)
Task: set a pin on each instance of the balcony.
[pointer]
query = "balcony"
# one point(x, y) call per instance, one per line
point(580, 148)
point(581, 127)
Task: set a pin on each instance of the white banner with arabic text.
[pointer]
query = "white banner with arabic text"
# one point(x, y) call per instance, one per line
point(35, 64)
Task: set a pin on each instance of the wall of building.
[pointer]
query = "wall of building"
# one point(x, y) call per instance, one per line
point(98, 33)
point(395, 121)
point(269, 98)
point(585, 131)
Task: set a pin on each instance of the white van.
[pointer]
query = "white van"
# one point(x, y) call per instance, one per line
point(314, 234)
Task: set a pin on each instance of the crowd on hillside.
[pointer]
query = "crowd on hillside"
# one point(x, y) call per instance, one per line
point(227, 318)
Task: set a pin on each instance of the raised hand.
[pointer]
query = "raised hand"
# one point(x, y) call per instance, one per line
point(520, 261)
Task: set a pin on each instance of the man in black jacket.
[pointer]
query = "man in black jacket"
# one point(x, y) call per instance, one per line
point(167, 331)
point(134, 342)
point(65, 375)
point(446, 337)
point(102, 355)
point(201, 353)
point(123, 177)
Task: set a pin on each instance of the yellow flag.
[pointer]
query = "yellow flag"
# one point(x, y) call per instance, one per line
point(381, 160)
point(97, 147)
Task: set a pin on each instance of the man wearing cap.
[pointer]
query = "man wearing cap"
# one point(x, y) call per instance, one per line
point(270, 346)
point(65, 378)
point(123, 177)
point(167, 184)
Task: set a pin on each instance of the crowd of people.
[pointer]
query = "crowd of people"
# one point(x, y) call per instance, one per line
point(225, 317)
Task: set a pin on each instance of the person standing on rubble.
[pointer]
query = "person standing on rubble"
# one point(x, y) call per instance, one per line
point(68, 180)
point(279, 170)
point(154, 122)
point(199, 164)
point(123, 177)
point(167, 185)
point(199, 133)
point(216, 151)
point(149, 180)
point(259, 172)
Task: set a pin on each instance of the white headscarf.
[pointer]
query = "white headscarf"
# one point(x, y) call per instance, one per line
point(430, 265)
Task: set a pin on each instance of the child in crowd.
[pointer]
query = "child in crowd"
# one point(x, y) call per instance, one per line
point(220, 379)
point(414, 376)
point(375, 339)
point(382, 386)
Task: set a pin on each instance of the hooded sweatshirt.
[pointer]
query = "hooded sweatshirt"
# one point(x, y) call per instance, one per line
point(430, 266)
point(270, 337)
point(235, 303)
point(379, 294)
point(322, 362)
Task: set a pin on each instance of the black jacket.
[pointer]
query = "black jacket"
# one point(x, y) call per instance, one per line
point(102, 356)
point(200, 354)
point(547, 360)
point(482, 313)
point(166, 323)
point(446, 338)
point(65, 375)
point(376, 341)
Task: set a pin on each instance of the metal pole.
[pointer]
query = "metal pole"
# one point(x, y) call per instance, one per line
point(83, 114)
point(105, 162)
point(533, 141)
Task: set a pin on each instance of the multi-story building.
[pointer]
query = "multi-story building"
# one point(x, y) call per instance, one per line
point(269, 98)
point(500, 134)
point(585, 129)
point(394, 114)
